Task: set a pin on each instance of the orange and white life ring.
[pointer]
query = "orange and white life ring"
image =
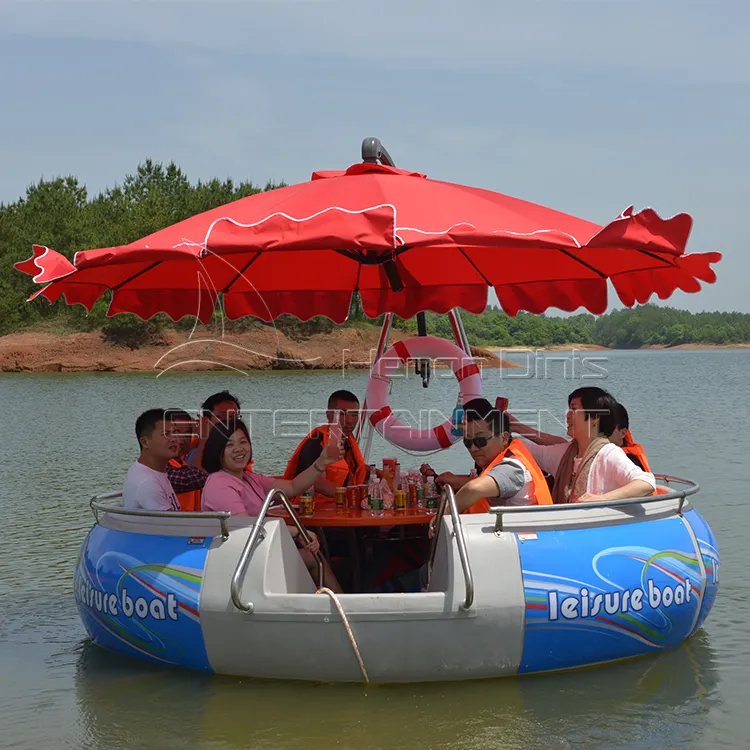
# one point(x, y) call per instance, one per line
point(381, 415)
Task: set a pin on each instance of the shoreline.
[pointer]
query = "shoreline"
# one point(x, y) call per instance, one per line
point(344, 349)
point(259, 350)
point(597, 347)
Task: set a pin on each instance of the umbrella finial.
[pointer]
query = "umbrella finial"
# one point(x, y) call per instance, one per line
point(373, 151)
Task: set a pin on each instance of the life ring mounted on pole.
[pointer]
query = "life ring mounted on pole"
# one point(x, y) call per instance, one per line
point(381, 415)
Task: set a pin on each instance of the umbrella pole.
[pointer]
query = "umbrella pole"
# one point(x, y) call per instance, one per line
point(422, 366)
point(364, 428)
point(459, 332)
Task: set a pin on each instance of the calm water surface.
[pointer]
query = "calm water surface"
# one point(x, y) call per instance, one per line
point(67, 437)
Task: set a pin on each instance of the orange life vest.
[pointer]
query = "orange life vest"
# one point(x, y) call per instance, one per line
point(340, 474)
point(191, 500)
point(540, 489)
point(635, 449)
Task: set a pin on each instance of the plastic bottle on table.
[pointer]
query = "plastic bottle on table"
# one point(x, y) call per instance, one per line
point(387, 496)
point(431, 495)
point(411, 488)
point(420, 492)
point(374, 494)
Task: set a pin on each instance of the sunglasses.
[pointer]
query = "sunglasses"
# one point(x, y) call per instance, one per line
point(479, 442)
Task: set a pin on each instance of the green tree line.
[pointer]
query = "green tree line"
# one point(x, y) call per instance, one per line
point(60, 213)
point(621, 329)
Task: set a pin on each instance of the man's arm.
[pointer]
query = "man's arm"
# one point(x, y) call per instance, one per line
point(186, 478)
point(534, 435)
point(504, 480)
point(548, 457)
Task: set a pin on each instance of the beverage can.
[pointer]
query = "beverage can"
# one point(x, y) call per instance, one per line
point(340, 498)
point(306, 504)
point(413, 495)
point(352, 496)
point(399, 499)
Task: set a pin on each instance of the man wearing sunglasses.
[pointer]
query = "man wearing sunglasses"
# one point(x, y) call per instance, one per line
point(509, 474)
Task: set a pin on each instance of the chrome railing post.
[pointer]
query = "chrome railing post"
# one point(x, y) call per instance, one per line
point(448, 497)
point(463, 554)
point(247, 550)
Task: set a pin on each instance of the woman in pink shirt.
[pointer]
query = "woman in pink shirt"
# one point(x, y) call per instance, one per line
point(229, 487)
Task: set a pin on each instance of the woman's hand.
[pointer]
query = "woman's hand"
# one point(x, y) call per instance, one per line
point(314, 544)
point(432, 529)
point(427, 471)
point(332, 453)
point(588, 497)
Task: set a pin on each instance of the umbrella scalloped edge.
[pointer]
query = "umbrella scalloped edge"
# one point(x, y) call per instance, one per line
point(685, 275)
point(45, 265)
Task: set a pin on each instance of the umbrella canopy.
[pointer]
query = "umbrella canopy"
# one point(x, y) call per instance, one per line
point(404, 242)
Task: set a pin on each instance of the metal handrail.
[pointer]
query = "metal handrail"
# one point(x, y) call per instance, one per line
point(96, 507)
point(258, 532)
point(681, 495)
point(448, 497)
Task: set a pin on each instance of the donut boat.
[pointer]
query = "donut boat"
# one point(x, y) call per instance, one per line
point(516, 591)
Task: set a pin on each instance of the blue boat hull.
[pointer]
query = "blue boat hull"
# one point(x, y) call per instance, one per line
point(546, 600)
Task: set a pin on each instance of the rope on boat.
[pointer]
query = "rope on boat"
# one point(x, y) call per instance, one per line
point(332, 596)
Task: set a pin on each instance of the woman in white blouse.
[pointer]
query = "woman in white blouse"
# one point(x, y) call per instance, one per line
point(589, 467)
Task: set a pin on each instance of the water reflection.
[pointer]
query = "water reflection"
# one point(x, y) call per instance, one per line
point(655, 701)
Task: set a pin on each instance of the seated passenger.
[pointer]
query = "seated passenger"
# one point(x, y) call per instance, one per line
point(621, 436)
point(590, 467)
point(343, 411)
point(509, 475)
point(230, 487)
point(214, 410)
point(187, 481)
point(146, 485)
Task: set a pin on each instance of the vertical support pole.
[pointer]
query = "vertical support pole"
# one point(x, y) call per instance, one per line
point(364, 428)
point(459, 332)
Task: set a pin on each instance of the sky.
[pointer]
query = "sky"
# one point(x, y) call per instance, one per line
point(586, 106)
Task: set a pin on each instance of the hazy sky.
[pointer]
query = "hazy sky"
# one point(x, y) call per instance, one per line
point(584, 106)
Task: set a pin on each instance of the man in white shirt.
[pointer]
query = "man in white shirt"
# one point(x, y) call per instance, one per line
point(147, 486)
point(590, 467)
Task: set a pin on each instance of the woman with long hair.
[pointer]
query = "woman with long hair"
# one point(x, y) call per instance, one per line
point(230, 487)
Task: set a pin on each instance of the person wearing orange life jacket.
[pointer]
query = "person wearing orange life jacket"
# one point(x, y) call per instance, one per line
point(621, 436)
point(509, 475)
point(187, 481)
point(342, 415)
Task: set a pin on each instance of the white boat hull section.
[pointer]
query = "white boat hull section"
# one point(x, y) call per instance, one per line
point(401, 637)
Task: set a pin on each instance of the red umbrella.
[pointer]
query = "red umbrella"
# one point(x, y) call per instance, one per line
point(404, 242)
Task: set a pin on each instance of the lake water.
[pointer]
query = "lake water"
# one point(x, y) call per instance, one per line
point(68, 437)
